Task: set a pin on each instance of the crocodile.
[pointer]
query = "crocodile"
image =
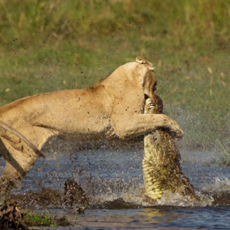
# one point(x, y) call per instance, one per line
point(161, 164)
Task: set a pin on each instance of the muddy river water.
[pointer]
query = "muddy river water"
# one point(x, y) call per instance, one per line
point(112, 180)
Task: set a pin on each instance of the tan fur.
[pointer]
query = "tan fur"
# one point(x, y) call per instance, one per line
point(111, 108)
point(6, 127)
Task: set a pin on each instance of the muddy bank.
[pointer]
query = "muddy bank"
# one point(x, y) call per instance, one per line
point(12, 217)
point(74, 196)
point(52, 198)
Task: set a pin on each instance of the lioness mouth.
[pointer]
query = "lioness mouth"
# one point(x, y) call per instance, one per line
point(146, 96)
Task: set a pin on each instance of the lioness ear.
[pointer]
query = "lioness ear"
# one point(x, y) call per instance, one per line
point(143, 60)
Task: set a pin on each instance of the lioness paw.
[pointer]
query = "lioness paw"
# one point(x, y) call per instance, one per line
point(177, 131)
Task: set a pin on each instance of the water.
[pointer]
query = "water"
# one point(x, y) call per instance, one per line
point(107, 175)
point(157, 218)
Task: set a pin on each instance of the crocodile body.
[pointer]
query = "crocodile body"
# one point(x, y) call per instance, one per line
point(161, 163)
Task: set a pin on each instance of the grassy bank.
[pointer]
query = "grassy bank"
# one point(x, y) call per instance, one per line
point(51, 45)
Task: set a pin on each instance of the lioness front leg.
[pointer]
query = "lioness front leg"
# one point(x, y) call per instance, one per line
point(141, 124)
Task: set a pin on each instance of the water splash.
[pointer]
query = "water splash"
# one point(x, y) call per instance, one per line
point(107, 175)
point(221, 184)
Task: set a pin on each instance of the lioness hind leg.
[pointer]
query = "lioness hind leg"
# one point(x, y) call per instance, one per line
point(18, 164)
point(8, 180)
point(12, 174)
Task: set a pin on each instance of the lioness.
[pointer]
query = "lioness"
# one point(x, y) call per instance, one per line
point(111, 108)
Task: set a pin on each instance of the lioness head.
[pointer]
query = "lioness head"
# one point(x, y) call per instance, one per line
point(149, 81)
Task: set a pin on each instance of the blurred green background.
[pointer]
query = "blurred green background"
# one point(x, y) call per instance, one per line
point(55, 44)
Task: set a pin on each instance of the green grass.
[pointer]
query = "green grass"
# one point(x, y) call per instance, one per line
point(52, 45)
point(33, 219)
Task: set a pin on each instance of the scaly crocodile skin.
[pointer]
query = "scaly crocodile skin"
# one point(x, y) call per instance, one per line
point(161, 163)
